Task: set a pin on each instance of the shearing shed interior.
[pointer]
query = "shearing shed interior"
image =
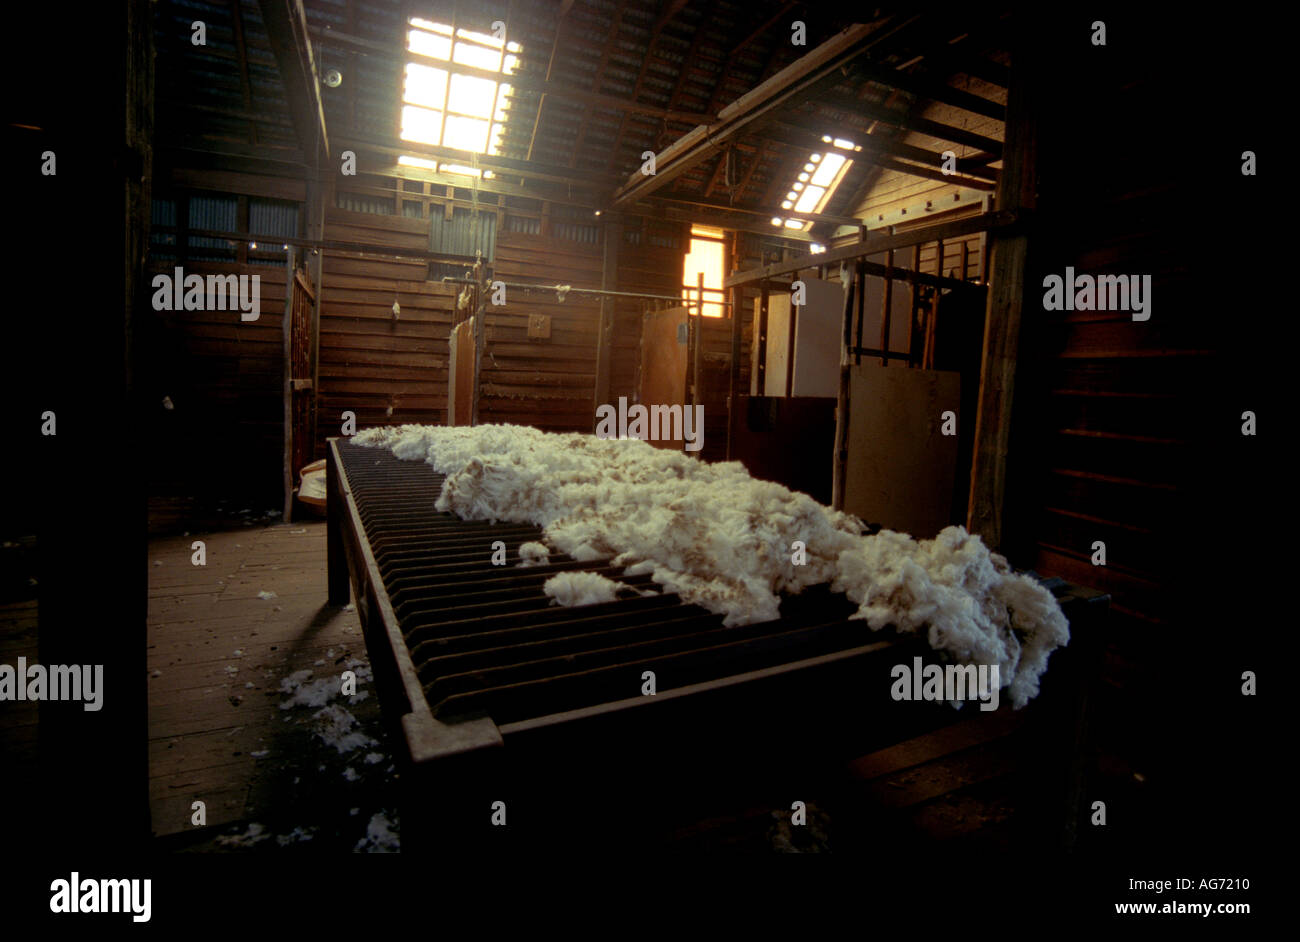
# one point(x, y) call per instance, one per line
point(623, 427)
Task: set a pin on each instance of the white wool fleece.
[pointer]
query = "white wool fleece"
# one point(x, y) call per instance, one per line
point(533, 554)
point(581, 588)
point(723, 540)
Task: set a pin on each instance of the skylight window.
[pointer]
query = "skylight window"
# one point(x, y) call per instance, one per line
point(814, 184)
point(455, 104)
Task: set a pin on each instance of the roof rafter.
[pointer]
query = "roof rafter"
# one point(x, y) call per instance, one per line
point(793, 84)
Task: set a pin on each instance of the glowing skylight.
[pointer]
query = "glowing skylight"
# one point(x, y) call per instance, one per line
point(814, 184)
point(456, 105)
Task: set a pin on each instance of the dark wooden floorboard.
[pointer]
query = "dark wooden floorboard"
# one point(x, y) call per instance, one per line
point(222, 639)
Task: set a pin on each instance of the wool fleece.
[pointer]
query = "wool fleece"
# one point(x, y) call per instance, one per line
point(725, 541)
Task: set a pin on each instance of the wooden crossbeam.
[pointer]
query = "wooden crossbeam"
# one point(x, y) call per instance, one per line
point(286, 28)
point(874, 244)
point(900, 119)
point(579, 180)
point(786, 89)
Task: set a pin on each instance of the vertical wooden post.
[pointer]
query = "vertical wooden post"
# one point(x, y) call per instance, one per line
point(841, 452)
point(913, 290)
point(862, 311)
point(985, 205)
point(317, 194)
point(480, 299)
point(788, 389)
point(888, 302)
point(699, 339)
point(93, 374)
point(737, 336)
point(338, 583)
point(1016, 185)
point(605, 334)
point(288, 383)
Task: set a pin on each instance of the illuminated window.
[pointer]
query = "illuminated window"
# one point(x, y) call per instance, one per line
point(816, 182)
point(455, 104)
point(705, 255)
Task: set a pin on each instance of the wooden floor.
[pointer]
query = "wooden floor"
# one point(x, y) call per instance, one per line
point(223, 639)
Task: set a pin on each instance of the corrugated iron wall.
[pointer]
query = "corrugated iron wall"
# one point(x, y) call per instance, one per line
point(464, 234)
point(363, 203)
point(218, 213)
point(270, 220)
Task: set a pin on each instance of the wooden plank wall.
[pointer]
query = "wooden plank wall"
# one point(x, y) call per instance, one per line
point(546, 382)
point(715, 384)
point(550, 383)
point(224, 435)
point(650, 268)
point(387, 370)
point(371, 363)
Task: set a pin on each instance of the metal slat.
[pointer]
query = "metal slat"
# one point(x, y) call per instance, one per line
point(485, 639)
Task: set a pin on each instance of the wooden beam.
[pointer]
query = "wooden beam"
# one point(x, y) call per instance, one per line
point(1006, 295)
point(613, 234)
point(910, 122)
point(616, 26)
point(498, 165)
point(700, 31)
point(874, 244)
point(720, 85)
point(732, 221)
point(671, 9)
point(929, 88)
point(553, 192)
point(286, 28)
point(565, 6)
point(928, 173)
point(245, 89)
point(784, 90)
point(649, 206)
point(660, 23)
point(808, 133)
